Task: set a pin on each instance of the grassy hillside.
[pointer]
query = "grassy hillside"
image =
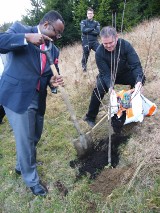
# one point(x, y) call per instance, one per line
point(88, 185)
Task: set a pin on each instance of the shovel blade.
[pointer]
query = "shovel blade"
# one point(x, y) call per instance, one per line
point(83, 145)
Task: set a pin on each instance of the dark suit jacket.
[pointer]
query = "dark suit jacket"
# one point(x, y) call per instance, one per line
point(22, 72)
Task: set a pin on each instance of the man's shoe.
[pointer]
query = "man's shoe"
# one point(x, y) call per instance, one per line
point(39, 190)
point(90, 123)
point(18, 172)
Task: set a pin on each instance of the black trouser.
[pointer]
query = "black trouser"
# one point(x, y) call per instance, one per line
point(2, 113)
point(101, 89)
point(87, 47)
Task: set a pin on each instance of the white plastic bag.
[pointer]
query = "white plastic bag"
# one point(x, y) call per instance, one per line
point(149, 108)
point(135, 113)
point(140, 106)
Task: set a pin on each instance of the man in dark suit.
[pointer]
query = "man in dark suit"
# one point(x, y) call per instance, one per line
point(23, 89)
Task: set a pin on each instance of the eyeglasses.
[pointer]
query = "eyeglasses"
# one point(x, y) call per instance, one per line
point(58, 35)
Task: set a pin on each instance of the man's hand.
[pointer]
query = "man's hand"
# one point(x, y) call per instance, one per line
point(111, 91)
point(55, 81)
point(36, 38)
point(138, 86)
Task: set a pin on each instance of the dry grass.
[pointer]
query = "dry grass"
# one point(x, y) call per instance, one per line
point(145, 40)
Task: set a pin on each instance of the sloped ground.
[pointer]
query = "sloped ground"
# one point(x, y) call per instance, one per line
point(141, 141)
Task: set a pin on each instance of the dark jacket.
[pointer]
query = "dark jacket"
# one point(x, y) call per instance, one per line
point(128, 61)
point(90, 30)
point(23, 70)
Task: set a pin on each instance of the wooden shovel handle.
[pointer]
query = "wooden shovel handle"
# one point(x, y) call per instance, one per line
point(69, 106)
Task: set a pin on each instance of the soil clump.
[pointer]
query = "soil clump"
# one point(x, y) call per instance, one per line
point(94, 166)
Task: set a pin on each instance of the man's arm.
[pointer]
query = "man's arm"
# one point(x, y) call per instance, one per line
point(96, 30)
point(134, 63)
point(84, 28)
point(10, 42)
point(16, 38)
point(103, 68)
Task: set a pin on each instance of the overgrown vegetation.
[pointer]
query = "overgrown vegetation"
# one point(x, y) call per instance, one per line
point(138, 189)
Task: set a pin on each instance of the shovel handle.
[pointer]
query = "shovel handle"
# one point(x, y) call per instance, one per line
point(68, 105)
point(49, 47)
point(54, 89)
point(70, 109)
point(62, 90)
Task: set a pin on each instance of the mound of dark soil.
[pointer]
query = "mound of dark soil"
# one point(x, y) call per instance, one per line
point(94, 166)
point(94, 163)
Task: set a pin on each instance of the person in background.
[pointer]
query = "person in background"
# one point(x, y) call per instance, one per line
point(23, 89)
point(2, 112)
point(124, 68)
point(90, 30)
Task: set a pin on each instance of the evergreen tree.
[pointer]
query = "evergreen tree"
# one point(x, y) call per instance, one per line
point(104, 15)
point(107, 12)
point(133, 13)
point(5, 26)
point(35, 14)
point(70, 34)
point(151, 8)
point(79, 13)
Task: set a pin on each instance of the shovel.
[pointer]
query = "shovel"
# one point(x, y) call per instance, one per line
point(89, 137)
point(84, 143)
